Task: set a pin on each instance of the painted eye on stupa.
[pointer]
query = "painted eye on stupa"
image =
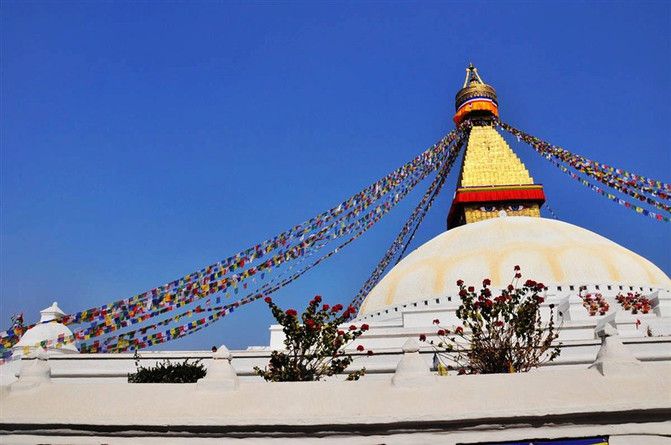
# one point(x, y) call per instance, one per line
point(488, 208)
point(517, 207)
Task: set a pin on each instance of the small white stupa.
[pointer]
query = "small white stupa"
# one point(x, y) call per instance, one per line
point(49, 328)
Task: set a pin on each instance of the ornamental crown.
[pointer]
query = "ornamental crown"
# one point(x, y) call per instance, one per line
point(474, 87)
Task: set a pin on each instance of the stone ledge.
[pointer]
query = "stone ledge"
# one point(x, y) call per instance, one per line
point(453, 398)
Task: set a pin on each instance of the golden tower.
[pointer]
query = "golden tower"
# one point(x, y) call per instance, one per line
point(493, 181)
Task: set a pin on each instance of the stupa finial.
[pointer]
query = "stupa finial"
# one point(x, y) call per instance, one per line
point(475, 97)
point(472, 76)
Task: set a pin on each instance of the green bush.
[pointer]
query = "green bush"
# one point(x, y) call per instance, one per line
point(167, 372)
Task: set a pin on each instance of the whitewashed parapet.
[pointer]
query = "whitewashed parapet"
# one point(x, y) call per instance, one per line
point(661, 303)
point(424, 317)
point(632, 325)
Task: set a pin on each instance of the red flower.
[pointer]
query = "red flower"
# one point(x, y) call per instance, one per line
point(422, 337)
point(352, 328)
point(369, 352)
point(518, 275)
point(517, 268)
point(268, 300)
point(436, 321)
point(459, 330)
point(318, 298)
point(336, 308)
point(486, 282)
point(326, 307)
point(291, 312)
point(360, 348)
point(460, 283)
point(471, 289)
point(498, 323)
point(463, 293)
point(441, 332)
point(341, 333)
point(364, 327)
point(310, 323)
point(488, 303)
point(351, 310)
point(530, 283)
point(511, 287)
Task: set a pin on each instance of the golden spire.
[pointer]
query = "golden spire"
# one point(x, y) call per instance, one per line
point(493, 181)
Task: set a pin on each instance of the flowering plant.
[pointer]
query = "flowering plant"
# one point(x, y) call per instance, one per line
point(595, 303)
point(498, 334)
point(634, 302)
point(315, 348)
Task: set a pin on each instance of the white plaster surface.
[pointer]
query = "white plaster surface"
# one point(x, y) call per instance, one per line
point(450, 410)
point(549, 251)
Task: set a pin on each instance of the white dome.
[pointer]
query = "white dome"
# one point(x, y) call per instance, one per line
point(46, 331)
point(49, 328)
point(548, 251)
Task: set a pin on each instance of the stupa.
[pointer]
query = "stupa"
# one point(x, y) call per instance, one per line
point(494, 224)
point(47, 330)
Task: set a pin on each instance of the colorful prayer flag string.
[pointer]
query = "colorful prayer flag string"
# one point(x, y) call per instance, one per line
point(599, 171)
point(189, 328)
point(232, 272)
point(556, 157)
point(415, 220)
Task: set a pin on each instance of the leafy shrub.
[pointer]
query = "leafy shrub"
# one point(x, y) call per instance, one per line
point(500, 334)
point(314, 349)
point(168, 372)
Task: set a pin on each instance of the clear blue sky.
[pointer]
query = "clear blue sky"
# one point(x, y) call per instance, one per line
point(141, 141)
